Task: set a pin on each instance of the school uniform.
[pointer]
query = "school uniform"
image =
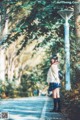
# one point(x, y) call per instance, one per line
point(54, 82)
point(53, 77)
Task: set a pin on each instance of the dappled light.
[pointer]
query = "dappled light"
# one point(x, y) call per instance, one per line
point(31, 108)
point(31, 31)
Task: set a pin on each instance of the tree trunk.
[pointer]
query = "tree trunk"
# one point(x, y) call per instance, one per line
point(77, 23)
point(77, 28)
point(2, 65)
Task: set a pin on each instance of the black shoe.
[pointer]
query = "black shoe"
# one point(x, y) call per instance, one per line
point(58, 110)
point(52, 110)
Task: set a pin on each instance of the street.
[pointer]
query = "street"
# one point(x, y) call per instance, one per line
point(31, 108)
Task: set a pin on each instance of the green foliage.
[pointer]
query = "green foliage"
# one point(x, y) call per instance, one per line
point(34, 19)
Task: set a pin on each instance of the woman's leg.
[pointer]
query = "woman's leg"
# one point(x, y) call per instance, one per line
point(57, 92)
point(54, 93)
point(58, 99)
point(54, 100)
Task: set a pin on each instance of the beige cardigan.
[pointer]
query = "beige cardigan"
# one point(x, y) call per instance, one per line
point(52, 75)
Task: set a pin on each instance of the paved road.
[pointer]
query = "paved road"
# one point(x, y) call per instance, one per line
point(32, 108)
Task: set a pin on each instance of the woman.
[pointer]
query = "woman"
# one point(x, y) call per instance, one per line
point(54, 83)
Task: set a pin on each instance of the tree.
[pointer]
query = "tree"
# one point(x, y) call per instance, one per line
point(77, 29)
point(77, 23)
point(36, 32)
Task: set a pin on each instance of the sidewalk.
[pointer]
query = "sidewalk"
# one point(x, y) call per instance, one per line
point(30, 108)
point(46, 115)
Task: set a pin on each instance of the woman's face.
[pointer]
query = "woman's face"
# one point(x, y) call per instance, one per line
point(52, 61)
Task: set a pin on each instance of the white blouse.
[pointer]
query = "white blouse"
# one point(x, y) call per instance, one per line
point(52, 75)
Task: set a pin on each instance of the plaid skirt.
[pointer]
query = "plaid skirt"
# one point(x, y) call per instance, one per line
point(53, 86)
